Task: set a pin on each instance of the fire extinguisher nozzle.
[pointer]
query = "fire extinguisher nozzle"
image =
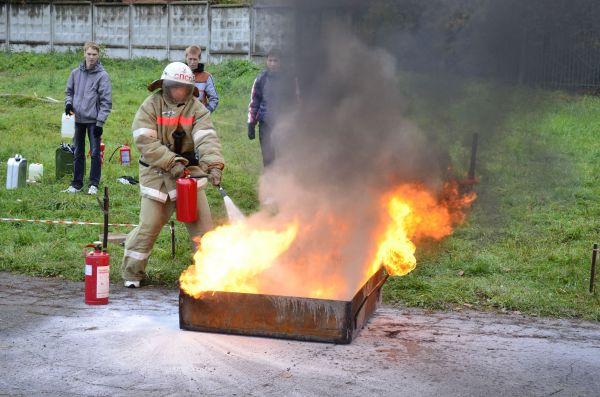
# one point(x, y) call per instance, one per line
point(222, 191)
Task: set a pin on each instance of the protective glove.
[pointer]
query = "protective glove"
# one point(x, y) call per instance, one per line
point(251, 131)
point(214, 176)
point(177, 170)
point(68, 109)
point(98, 131)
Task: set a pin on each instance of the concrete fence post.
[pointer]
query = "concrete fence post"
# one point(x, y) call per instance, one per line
point(52, 13)
point(130, 39)
point(169, 32)
point(7, 25)
point(252, 33)
point(209, 22)
point(92, 19)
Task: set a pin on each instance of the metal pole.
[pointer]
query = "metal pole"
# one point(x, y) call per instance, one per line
point(105, 236)
point(473, 157)
point(172, 227)
point(593, 270)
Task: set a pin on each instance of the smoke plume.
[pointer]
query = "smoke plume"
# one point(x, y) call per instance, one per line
point(343, 143)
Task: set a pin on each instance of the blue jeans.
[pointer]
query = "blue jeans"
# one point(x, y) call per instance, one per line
point(79, 159)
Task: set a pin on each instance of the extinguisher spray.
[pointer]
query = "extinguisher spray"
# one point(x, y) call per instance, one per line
point(97, 265)
point(187, 198)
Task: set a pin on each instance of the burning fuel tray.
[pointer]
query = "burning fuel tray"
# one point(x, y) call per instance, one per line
point(276, 316)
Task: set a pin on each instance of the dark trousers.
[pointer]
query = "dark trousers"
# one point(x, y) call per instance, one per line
point(266, 144)
point(81, 129)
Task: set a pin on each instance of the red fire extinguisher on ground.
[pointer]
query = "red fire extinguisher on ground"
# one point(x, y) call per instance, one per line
point(187, 199)
point(125, 154)
point(97, 271)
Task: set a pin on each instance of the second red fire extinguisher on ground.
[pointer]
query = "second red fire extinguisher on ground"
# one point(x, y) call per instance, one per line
point(101, 152)
point(187, 199)
point(97, 272)
point(125, 154)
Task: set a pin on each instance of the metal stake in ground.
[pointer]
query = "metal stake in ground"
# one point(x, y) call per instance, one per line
point(593, 270)
point(473, 158)
point(172, 227)
point(104, 208)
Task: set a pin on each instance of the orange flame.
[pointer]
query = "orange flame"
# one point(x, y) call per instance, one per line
point(415, 213)
point(243, 257)
point(232, 256)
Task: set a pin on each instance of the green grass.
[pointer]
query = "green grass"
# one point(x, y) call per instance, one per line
point(526, 245)
point(32, 128)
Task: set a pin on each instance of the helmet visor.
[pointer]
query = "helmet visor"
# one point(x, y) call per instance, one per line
point(177, 92)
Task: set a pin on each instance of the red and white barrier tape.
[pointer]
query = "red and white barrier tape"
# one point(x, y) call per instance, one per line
point(64, 222)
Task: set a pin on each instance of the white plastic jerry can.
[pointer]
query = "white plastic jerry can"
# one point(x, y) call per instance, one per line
point(16, 172)
point(36, 172)
point(67, 126)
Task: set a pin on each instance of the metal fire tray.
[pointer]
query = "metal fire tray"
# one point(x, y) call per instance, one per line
point(275, 316)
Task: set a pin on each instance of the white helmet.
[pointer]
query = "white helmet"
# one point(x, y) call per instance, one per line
point(179, 72)
point(176, 72)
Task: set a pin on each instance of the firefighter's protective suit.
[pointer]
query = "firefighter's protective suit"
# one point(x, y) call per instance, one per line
point(171, 135)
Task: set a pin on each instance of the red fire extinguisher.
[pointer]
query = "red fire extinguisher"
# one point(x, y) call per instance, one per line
point(187, 199)
point(101, 152)
point(97, 271)
point(125, 154)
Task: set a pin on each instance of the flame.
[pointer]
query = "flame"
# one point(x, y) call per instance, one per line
point(258, 257)
point(232, 256)
point(415, 213)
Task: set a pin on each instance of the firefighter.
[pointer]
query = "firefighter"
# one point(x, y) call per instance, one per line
point(173, 132)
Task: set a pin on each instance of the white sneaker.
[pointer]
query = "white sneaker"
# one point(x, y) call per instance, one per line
point(93, 190)
point(132, 284)
point(71, 189)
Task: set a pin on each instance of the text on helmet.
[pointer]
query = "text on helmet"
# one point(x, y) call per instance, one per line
point(183, 76)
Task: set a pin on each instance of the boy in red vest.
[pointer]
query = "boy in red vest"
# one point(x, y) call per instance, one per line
point(203, 80)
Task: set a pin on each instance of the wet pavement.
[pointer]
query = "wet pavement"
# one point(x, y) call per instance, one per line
point(52, 344)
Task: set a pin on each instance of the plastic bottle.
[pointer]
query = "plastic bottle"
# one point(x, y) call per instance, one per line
point(67, 126)
point(36, 172)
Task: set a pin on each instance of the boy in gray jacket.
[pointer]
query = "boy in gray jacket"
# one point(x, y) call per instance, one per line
point(89, 97)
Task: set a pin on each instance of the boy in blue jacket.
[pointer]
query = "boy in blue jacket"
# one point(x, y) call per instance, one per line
point(272, 91)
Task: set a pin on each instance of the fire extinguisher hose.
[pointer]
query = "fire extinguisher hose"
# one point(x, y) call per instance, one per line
point(113, 153)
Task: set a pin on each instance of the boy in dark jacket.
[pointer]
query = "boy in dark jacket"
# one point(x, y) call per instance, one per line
point(89, 97)
point(272, 92)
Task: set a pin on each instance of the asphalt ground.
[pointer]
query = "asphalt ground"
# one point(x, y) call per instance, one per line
point(53, 344)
